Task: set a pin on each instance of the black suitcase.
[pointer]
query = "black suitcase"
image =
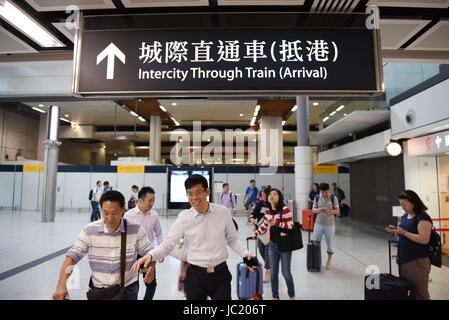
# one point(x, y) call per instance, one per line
point(313, 256)
point(389, 287)
point(344, 210)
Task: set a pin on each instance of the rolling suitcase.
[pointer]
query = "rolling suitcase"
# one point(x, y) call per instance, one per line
point(388, 286)
point(313, 255)
point(249, 283)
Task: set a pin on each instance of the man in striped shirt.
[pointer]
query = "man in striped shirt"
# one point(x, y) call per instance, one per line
point(101, 241)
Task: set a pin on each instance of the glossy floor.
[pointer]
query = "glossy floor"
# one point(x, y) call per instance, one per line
point(30, 262)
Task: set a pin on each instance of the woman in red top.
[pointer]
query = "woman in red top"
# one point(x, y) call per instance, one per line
point(278, 217)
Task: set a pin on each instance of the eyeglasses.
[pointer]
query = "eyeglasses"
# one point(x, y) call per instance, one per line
point(194, 194)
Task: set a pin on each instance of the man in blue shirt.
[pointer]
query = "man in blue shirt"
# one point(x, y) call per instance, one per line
point(250, 194)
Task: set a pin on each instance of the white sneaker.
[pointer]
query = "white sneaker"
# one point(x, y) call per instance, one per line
point(329, 263)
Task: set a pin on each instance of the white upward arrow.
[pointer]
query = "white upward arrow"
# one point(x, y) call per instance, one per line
point(111, 52)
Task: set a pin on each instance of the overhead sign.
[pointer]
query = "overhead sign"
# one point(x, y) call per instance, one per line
point(429, 145)
point(131, 56)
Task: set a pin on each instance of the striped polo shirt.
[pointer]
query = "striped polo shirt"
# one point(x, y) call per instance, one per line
point(103, 250)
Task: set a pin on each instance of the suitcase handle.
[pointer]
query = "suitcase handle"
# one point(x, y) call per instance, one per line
point(308, 223)
point(247, 243)
point(390, 242)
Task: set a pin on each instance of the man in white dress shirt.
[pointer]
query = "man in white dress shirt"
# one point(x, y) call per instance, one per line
point(206, 228)
point(144, 215)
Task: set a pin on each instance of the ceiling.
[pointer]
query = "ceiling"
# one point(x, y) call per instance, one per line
point(408, 27)
point(405, 24)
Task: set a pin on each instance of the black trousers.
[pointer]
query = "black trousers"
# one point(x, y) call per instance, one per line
point(199, 284)
point(150, 287)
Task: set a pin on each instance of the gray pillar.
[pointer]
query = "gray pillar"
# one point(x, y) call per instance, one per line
point(302, 121)
point(303, 157)
point(51, 156)
point(155, 140)
point(41, 137)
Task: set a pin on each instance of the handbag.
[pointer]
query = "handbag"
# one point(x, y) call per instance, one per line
point(114, 292)
point(288, 240)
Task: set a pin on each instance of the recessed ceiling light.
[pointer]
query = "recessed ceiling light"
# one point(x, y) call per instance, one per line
point(283, 123)
point(141, 119)
point(41, 105)
point(295, 107)
point(333, 113)
point(27, 25)
point(115, 154)
point(174, 104)
point(66, 115)
point(65, 120)
point(241, 114)
point(325, 119)
point(340, 107)
point(315, 103)
point(257, 108)
point(134, 114)
point(140, 100)
point(162, 108)
point(394, 149)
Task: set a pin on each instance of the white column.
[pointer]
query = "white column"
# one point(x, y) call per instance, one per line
point(271, 143)
point(155, 140)
point(303, 177)
point(303, 157)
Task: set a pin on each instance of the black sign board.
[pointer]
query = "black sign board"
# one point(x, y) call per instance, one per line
point(134, 56)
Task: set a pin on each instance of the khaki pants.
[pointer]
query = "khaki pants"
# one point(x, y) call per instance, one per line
point(417, 272)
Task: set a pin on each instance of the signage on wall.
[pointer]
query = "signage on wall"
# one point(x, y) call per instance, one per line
point(428, 145)
point(130, 169)
point(325, 169)
point(133, 55)
point(33, 168)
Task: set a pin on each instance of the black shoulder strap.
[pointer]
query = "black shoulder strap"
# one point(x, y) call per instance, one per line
point(123, 256)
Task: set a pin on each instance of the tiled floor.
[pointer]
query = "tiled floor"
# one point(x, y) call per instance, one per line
point(23, 238)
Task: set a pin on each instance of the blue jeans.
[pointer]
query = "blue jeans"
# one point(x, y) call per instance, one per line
point(285, 258)
point(328, 232)
point(131, 291)
point(263, 249)
point(95, 211)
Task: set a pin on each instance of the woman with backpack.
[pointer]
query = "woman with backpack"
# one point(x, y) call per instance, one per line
point(277, 218)
point(414, 233)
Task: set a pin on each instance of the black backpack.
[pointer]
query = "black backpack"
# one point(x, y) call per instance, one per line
point(232, 196)
point(91, 194)
point(435, 249)
point(332, 196)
